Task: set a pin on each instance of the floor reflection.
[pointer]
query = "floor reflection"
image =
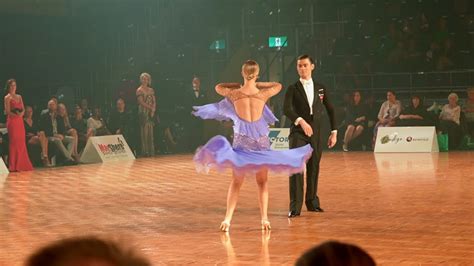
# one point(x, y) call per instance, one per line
point(395, 167)
point(232, 256)
point(3, 180)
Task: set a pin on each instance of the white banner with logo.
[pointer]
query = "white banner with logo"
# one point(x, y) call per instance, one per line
point(3, 168)
point(279, 138)
point(406, 139)
point(106, 149)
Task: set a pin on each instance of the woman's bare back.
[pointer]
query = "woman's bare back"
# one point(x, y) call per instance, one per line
point(249, 101)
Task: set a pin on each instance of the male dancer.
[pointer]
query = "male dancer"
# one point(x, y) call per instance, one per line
point(303, 105)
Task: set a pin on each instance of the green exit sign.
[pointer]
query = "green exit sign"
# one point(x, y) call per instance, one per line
point(217, 45)
point(278, 41)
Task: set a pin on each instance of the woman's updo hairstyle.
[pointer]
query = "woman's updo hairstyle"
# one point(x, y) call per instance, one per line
point(250, 70)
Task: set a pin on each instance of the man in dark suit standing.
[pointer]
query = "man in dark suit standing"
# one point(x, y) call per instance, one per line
point(303, 106)
point(196, 97)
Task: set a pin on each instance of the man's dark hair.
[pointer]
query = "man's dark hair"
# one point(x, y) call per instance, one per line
point(305, 56)
point(333, 253)
point(81, 250)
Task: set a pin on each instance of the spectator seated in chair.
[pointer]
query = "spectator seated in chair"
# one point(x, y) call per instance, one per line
point(450, 121)
point(356, 120)
point(36, 140)
point(388, 113)
point(120, 123)
point(71, 133)
point(97, 124)
point(55, 130)
point(415, 114)
point(468, 111)
point(80, 125)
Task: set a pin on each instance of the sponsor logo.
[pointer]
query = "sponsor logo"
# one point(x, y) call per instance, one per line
point(275, 138)
point(112, 148)
point(410, 139)
point(393, 138)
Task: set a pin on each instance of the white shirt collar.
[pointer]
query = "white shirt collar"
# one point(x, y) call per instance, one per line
point(306, 81)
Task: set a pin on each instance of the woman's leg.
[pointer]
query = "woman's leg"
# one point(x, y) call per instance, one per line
point(348, 136)
point(45, 148)
point(44, 144)
point(262, 178)
point(232, 198)
point(358, 131)
point(90, 133)
point(73, 133)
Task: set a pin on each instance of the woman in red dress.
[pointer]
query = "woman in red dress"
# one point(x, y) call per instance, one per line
point(14, 109)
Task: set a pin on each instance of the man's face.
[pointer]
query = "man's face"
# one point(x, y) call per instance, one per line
point(196, 83)
point(52, 106)
point(305, 68)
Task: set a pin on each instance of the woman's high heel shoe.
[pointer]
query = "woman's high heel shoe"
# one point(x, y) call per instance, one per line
point(45, 161)
point(224, 226)
point(266, 225)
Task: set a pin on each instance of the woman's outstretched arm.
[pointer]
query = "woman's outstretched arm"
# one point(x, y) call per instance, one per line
point(273, 88)
point(225, 88)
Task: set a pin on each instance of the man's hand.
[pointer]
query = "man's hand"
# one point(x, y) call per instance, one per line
point(308, 131)
point(332, 140)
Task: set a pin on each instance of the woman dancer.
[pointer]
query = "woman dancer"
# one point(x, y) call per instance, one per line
point(250, 152)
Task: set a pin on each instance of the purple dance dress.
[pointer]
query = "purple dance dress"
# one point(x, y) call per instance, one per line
point(250, 151)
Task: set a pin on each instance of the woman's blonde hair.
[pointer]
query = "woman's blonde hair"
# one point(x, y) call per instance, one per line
point(143, 75)
point(453, 95)
point(66, 115)
point(250, 69)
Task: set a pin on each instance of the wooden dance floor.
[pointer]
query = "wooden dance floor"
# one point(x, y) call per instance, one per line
point(404, 209)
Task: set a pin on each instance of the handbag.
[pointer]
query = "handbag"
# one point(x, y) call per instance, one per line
point(443, 142)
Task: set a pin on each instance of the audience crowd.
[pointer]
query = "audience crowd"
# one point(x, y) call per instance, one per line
point(410, 36)
point(361, 118)
point(59, 133)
